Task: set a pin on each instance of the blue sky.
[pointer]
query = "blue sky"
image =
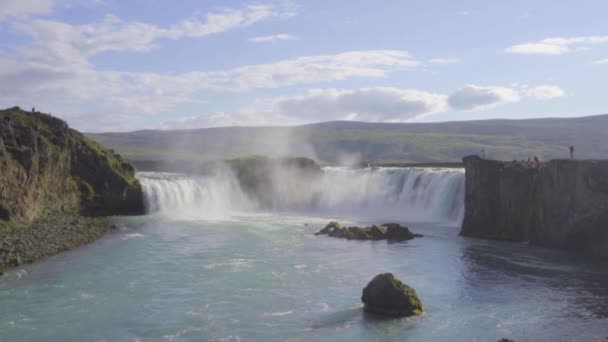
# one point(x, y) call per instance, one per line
point(109, 65)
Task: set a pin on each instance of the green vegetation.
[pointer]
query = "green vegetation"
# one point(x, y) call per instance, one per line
point(374, 142)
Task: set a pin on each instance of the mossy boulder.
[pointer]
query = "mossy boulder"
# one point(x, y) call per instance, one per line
point(330, 227)
point(387, 295)
point(377, 232)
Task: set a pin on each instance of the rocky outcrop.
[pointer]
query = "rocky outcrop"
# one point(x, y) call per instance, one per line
point(387, 295)
point(387, 231)
point(563, 203)
point(260, 176)
point(48, 172)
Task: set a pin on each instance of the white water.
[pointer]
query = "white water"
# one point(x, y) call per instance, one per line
point(409, 194)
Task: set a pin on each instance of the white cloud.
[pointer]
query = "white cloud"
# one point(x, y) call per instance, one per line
point(557, 46)
point(366, 104)
point(378, 104)
point(56, 42)
point(272, 38)
point(472, 97)
point(67, 85)
point(544, 92)
point(24, 8)
point(443, 61)
point(601, 61)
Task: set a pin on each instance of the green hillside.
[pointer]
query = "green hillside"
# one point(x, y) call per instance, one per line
point(373, 142)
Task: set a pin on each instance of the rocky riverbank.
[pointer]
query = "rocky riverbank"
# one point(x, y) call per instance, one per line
point(562, 203)
point(53, 180)
point(48, 236)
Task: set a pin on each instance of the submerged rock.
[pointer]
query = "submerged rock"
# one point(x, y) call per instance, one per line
point(387, 295)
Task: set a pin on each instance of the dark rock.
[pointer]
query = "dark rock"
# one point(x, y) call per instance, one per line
point(387, 231)
point(357, 233)
point(329, 228)
point(377, 232)
point(387, 295)
point(562, 204)
point(396, 232)
point(338, 232)
point(505, 340)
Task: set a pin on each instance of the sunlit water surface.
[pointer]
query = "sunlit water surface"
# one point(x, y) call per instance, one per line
point(266, 277)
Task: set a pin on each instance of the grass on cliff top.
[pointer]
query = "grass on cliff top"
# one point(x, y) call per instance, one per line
point(46, 127)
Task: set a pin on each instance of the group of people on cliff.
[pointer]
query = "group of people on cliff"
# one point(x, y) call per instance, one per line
point(536, 162)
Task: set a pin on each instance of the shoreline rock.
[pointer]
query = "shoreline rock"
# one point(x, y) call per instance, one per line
point(387, 295)
point(49, 236)
point(386, 231)
point(562, 204)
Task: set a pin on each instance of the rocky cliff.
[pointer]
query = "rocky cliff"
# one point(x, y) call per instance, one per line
point(563, 204)
point(50, 172)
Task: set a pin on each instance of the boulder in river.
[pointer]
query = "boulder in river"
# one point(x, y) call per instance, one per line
point(330, 227)
point(396, 232)
point(387, 231)
point(387, 295)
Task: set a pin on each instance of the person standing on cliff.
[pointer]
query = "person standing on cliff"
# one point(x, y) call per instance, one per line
point(483, 153)
point(571, 151)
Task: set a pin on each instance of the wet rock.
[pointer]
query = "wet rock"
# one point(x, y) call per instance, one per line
point(387, 295)
point(387, 231)
point(396, 232)
point(337, 232)
point(329, 228)
point(378, 232)
point(357, 233)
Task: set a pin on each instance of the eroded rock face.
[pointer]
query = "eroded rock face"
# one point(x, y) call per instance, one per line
point(47, 167)
point(563, 204)
point(387, 295)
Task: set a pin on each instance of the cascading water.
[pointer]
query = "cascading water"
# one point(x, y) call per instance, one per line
point(407, 194)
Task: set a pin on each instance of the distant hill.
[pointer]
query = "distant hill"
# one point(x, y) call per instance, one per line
point(374, 142)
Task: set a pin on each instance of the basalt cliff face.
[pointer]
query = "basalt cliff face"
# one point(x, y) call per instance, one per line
point(563, 204)
point(51, 177)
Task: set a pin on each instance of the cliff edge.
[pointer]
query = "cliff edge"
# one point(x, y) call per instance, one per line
point(51, 177)
point(562, 204)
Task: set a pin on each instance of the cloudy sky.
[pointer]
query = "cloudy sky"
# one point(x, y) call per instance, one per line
point(119, 65)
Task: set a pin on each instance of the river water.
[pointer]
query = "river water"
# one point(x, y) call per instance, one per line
point(208, 264)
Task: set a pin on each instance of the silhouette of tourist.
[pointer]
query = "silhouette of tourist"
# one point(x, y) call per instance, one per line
point(537, 162)
point(483, 153)
point(33, 109)
point(571, 151)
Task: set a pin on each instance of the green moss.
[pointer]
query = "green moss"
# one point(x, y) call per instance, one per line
point(5, 227)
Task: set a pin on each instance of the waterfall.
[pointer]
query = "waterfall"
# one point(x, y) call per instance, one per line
point(407, 194)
